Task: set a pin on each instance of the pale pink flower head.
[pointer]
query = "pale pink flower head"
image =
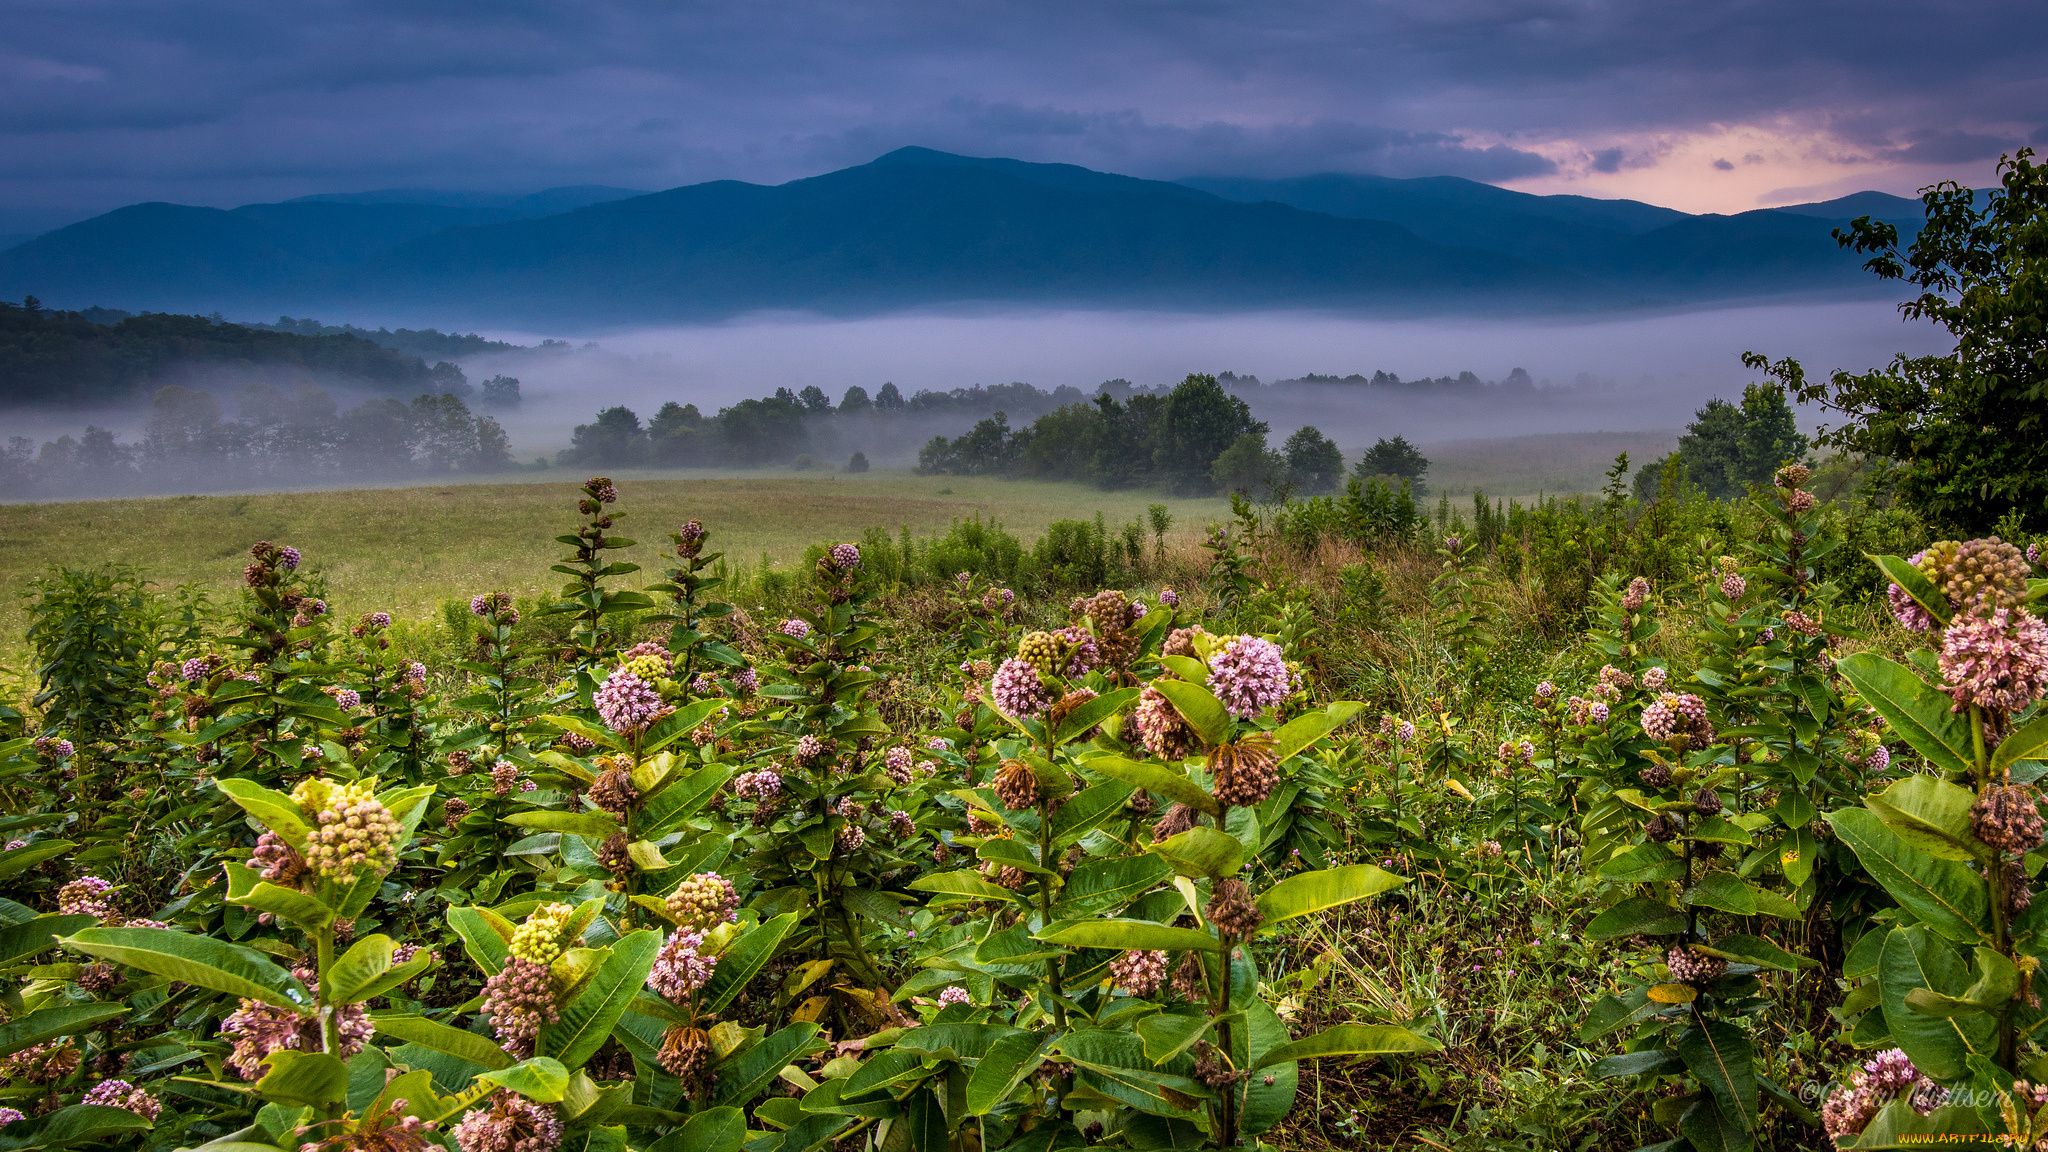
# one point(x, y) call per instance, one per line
point(628, 704)
point(1997, 661)
point(1018, 690)
point(1249, 675)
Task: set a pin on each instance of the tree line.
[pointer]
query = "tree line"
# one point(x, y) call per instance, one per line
point(278, 436)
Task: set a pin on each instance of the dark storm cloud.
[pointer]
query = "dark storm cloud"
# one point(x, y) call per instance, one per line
point(103, 103)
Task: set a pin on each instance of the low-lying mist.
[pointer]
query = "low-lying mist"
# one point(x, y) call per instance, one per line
point(1629, 374)
point(1618, 375)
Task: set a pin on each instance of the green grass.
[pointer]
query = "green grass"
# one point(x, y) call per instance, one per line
point(1556, 464)
point(404, 550)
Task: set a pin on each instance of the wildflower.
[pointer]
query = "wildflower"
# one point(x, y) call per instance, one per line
point(1040, 650)
point(1638, 592)
point(1232, 910)
point(1879, 759)
point(56, 748)
point(1169, 597)
point(99, 979)
point(504, 774)
point(1159, 726)
point(1455, 543)
point(1249, 676)
point(9, 1116)
point(747, 681)
point(685, 1053)
point(627, 704)
point(1139, 971)
point(347, 699)
point(1674, 714)
point(1695, 968)
point(812, 749)
point(1546, 690)
point(1018, 690)
point(896, 762)
point(794, 628)
point(1801, 623)
point(87, 896)
point(1800, 501)
point(845, 557)
point(122, 1094)
point(260, 1029)
point(352, 830)
point(1907, 611)
point(195, 669)
point(1016, 786)
point(1189, 981)
point(1733, 586)
point(1997, 661)
point(679, 970)
point(954, 994)
point(2005, 818)
point(43, 1063)
point(520, 1000)
point(690, 539)
point(851, 837)
point(288, 558)
point(613, 792)
point(1654, 679)
point(1181, 641)
point(1977, 576)
point(704, 900)
point(761, 787)
point(511, 1124)
point(538, 939)
point(1244, 772)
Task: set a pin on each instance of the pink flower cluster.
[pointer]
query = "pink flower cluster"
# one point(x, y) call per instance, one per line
point(1249, 675)
point(794, 628)
point(511, 1124)
point(679, 971)
point(1018, 690)
point(1850, 1108)
point(122, 1094)
point(627, 704)
point(1997, 662)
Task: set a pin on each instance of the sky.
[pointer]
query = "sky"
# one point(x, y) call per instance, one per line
point(1701, 105)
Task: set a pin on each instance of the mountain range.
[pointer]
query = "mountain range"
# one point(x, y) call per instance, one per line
point(920, 228)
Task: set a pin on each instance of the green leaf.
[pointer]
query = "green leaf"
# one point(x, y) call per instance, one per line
point(20, 941)
point(597, 825)
point(312, 1079)
point(247, 888)
point(272, 809)
point(742, 1077)
point(1100, 884)
point(1725, 891)
point(586, 1022)
point(1915, 584)
point(1745, 949)
point(1202, 852)
point(94, 1124)
point(200, 960)
point(1310, 727)
point(1636, 916)
point(1003, 850)
point(1168, 1034)
point(1087, 808)
point(1127, 934)
point(1094, 712)
point(441, 1038)
point(1945, 894)
point(1930, 814)
point(712, 1130)
point(539, 1079)
point(1897, 1125)
point(1917, 711)
point(1720, 1057)
point(961, 882)
point(1307, 892)
point(1654, 1061)
point(1118, 1059)
point(1644, 864)
point(49, 1023)
point(1939, 1046)
point(486, 936)
point(32, 855)
point(1353, 1040)
point(1169, 781)
point(358, 968)
point(2029, 742)
point(743, 959)
point(678, 724)
point(1199, 707)
point(1005, 1065)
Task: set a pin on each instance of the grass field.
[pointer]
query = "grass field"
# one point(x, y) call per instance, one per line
point(1524, 467)
point(404, 550)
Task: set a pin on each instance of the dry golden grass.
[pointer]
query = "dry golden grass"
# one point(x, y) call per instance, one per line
point(404, 550)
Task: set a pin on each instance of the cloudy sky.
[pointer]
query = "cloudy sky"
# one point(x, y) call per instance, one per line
point(1704, 105)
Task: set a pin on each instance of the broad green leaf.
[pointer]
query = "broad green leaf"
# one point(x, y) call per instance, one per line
point(594, 824)
point(1654, 1061)
point(1745, 949)
point(743, 959)
point(712, 1130)
point(1939, 1046)
point(1168, 1034)
point(1898, 1125)
point(678, 724)
point(1917, 711)
point(271, 808)
point(1644, 864)
point(312, 1079)
point(961, 882)
point(1353, 1040)
point(200, 960)
point(247, 888)
point(32, 855)
point(1725, 891)
point(2030, 742)
point(486, 936)
point(1199, 707)
point(586, 1022)
point(1127, 934)
point(1167, 780)
point(441, 1038)
point(1944, 894)
point(1310, 727)
point(80, 1124)
point(1094, 712)
point(20, 941)
point(1307, 892)
point(1118, 1058)
point(539, 1079)
point(1636, 916)
point(1614, 1012)
point(1086, 809)
point(1930, 814)
point(1005, 1065)
point(358, 968)
point(1915, 584)
point(1719, 1056)
point(1202, 852)
point(742, 1077)
point(34, 1028)
point(1099, 884)
point(1268, 1097)
point(1003, 850)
